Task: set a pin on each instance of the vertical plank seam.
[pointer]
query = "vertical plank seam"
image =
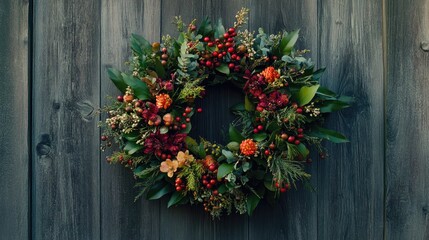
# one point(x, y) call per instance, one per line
point(318, 46)
point(160, 40)
point(100, 214)
point(30, 118)
point(385, 69)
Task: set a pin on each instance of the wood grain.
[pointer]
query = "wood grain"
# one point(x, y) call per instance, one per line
point(295, 213)
point(407, 125)
point(14, 120)
point(121, 217)
point(66, 200)
point(350, 192)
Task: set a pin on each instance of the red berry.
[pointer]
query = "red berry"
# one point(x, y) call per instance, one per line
point(164, 56)
point(188, 120)
point(259, 109)
point(120, 98)
point(209, 64)
point(184, 114)
point(178, 119)
point(287, 186)
point(231, 30)
point(230, 39)
point(163, 62)
point(234, 56)
point(210, 44)
point(297, 142)
point(212, 167)
point(260, 127)
point(179, 181)
point(103, 138)
point(215, 54)
point(272, 146)
point(228, 44)
point(205, 177)
point(164, 156)
point(300, 135)
point(205, 182)
point(220, 45)
point(130, 162)
point(231, 50)
point(213, 182)
point(225, 35)
point(277, 185)
point(255, 130)
point(300, 130)
point(274, 58)
point(291, 139)
point(183, 126)
point(238, 58)
point(164, 50)
point(200, 110)
point(282, 190)
point(206, 39)
point(267, 152)
point(299, 110)
point(209, 186)
point(188, 110)
point(231, 65)
point(192, 27)
point(178, 188)
point(215, 192)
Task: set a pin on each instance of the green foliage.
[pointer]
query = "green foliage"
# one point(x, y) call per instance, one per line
point(192, 174)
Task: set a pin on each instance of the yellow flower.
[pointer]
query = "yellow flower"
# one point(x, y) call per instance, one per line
point(248, 147)
point(270, 74)
point(163, 100)
point(169, 167)
point(184, 158)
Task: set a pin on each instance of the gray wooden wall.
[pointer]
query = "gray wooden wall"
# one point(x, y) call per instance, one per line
point(55, 184)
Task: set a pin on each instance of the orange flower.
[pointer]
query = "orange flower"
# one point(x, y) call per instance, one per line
point(248, 147)
point(169, 167)
point(163, 100)
point(270, 74)
point(184, 158)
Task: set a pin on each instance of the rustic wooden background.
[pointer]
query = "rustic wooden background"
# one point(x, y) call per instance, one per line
point(55, 184)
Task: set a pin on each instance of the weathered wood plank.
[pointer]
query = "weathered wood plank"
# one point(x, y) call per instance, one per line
point(350, 192)
point(121, 217)
point(14, 117)
point(66, 196)
point(407, 123)
point(295, 213)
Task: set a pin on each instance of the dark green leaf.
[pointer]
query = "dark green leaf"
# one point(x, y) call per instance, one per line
point(132, 147)
point(288, 41)
point(219, 29)
point(223, 68)
point(273, 126)
point(132, 136)
point(117, 79)
point(139, 87)
point(246, 166)
point(229, 156)
point(205, 28)
point(328, 134)
point(248, 105)
point(252, 202)
point(140, 45)
point(159, 68)
point(233, 146)
point(202, 151)
point(175, 198)
point(333, 105)
point(238, 107)
point(260, 137)
point(269, 185)
point(303, 150)
point(306, 94)
point(158, 191)
point(318, 73)
point(222, 189)
point(235, 135)
point(224, 169)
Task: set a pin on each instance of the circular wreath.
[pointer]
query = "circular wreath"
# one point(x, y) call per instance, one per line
point(276, 125)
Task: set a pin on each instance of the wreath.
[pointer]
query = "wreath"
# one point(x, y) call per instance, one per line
point(277, 125)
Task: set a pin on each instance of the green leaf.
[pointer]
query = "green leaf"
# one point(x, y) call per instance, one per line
point(140, 45)
point(233, 146)
point(219, 29)
point(159, 68)
point(224, 169)
point(222, 188)
point(303, 150)
point(332, 105)
point(238, 107)
point(235, 135)
point(117, 79)
point(273, 126)
point(205, 28)
point(132, 147)
point(132, 136)
point(163, 130)
point(139, 87)
point(248, 105)
point(318, 73)
point(288, 41)
point(306, 94)
point(202, 151)
point(260, 137)
point(328, 134)
point(229, 156)
point(326, 93)
point(246, 166)
point(175, 198)
point(223, 68)
point(269, 185)
point(252, 202)
point(158, 191)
